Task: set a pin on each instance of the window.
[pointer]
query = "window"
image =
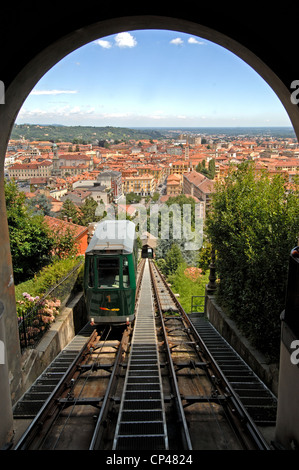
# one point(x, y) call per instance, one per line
point(91, 272)
point(108, 272)
point(126, 279)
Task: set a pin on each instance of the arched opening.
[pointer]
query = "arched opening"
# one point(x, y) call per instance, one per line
point(19, 89)
point(23, 83)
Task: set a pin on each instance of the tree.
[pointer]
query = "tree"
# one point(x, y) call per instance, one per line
point(208, 172)
point(87, 212)
point(39, 204)
point(212, 169)
point(253, 224)
point(173, 258)
point(64, 243)
point(132, 198)
point(156, 197)
point(30, 238)
point(70, 211)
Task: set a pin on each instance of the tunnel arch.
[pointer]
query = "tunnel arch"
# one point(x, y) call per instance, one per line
point(24, 82)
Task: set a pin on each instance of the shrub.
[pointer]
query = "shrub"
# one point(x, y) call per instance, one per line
point(187, 282)
point(253, 225)
point(39, 315)
point(46, 278)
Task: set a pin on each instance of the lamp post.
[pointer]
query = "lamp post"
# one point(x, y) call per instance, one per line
point(211, 287)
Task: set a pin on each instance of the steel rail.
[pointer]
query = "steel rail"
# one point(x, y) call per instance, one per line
point(41, 424)
point(95, 443)
point(179, 406)
point(47, 414)
point(236, 406)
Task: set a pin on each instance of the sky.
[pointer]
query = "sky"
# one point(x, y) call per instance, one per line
point(153, 78)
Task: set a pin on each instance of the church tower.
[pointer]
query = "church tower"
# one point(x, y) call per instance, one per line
point(55, 169)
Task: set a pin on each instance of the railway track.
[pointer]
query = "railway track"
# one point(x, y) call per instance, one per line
point(150, 386)
point(255, 404)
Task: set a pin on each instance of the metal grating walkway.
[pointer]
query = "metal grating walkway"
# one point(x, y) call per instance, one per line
point(259, 401)
point(32, 401)
point(141, 421)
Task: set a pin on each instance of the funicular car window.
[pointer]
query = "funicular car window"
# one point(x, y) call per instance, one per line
point(126, 279)
point(108, 272)
point(91, 273)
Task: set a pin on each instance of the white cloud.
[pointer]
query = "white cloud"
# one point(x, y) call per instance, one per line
point(194, 41)
point(177, 41)
point(53, 92)
point(57, 111)
point(103, 43)
point(125, 40)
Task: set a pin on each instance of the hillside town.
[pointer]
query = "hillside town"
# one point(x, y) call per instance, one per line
point(159, 169)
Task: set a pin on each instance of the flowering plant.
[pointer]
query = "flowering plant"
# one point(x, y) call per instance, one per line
point(193, 273)
point(39, 314)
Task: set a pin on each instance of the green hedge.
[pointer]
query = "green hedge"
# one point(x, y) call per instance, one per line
point(46, 278)
point(253, 224)
point(186, 285)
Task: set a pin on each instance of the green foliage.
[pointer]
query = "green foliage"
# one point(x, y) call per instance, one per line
point(204, 257)
point(80, 134)
point(32, 244)
point(253, 224)
point(30, 238)
point(156, 197)
point(87, 212)
point(64, 243)
point(69, 210)
point(208, 172)
point(186, 286)
point(132, 198)
point(39, 205)
point(161, 263)
point(173, 258)
point(46, 278)
point(83, 215)
point(176, 212)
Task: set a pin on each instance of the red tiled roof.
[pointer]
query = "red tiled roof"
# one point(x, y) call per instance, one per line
point(61, 225)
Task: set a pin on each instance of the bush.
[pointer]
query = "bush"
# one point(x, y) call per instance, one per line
point(46, 278)
point(30, 239)
point(39, 315)
point(188, 281)
point(253, 225)
point(39, 312)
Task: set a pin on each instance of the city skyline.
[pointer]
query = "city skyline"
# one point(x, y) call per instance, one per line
point(152, 78)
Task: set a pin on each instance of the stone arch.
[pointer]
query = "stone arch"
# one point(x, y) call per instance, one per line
point(18, 86)
point(23, 83)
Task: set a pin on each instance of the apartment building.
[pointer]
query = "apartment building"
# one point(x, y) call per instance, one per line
point(24, 171)
point(174, 185)
point(111, 180)
point(144, 185)
point(178, 167)
point(198, 185)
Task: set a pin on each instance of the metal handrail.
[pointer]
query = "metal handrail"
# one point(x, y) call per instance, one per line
point(25, 321)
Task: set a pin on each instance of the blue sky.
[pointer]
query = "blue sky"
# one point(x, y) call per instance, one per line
point(153, 78)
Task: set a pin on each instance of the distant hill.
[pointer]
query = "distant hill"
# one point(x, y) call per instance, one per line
point(80, 134)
